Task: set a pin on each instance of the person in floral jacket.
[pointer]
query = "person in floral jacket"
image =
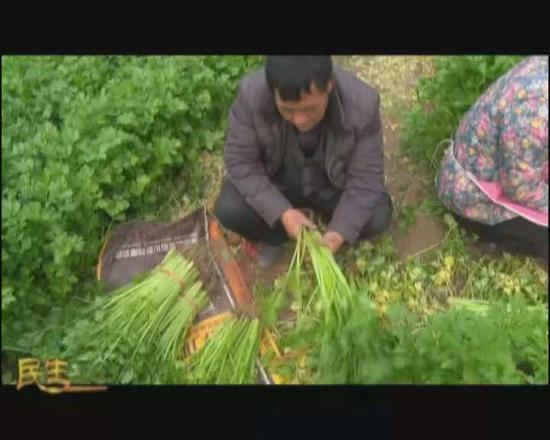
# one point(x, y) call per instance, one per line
point(494, 176)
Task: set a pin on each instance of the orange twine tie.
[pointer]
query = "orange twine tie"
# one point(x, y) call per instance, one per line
point(178, 280)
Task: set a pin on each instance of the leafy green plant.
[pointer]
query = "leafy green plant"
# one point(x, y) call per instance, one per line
point(88, 141)
point(410, 322)
point(444, 99)
point(504, 343)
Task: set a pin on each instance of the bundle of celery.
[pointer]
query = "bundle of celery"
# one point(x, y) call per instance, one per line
point(335, 291)
point(229, 356)
point(334, 341)
point(158, 310)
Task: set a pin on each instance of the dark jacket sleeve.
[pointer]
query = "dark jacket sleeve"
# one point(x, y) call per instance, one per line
point(364, 183)
point(244, 165)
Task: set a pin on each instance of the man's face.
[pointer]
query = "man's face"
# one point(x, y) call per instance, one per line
point(308, 111)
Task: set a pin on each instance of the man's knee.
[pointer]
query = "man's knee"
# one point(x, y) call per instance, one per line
point(380, 219)
point(230, 206)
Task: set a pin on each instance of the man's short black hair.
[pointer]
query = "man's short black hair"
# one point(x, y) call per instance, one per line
point(292, 74)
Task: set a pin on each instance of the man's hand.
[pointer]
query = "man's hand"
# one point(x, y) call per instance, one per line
point(332, 240)
point(292, 219)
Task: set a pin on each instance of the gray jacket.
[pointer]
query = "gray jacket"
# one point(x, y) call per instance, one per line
point(354, 160)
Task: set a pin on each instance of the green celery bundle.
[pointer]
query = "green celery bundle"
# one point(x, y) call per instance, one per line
point(230, 355)
point(158, 310)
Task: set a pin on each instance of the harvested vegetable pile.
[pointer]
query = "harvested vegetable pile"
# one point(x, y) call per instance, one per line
point(158, 310)
point(229, 356)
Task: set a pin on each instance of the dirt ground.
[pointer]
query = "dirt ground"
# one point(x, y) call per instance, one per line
point(395, 78)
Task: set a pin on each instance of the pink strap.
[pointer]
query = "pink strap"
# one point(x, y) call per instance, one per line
point(494, 192)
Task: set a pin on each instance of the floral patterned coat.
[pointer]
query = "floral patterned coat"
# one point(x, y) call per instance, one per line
point(497, 165)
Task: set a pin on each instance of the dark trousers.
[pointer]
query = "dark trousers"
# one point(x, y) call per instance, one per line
point(235, 214)
point(515, 236)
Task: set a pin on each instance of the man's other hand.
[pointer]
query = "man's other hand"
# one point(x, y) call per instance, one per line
point(332, 240)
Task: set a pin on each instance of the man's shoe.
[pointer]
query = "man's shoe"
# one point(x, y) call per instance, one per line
point(270, 254)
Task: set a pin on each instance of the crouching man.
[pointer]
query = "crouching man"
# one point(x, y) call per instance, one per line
point(303, 134)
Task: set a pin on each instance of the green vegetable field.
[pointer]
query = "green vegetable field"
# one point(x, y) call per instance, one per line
point(89, 142)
